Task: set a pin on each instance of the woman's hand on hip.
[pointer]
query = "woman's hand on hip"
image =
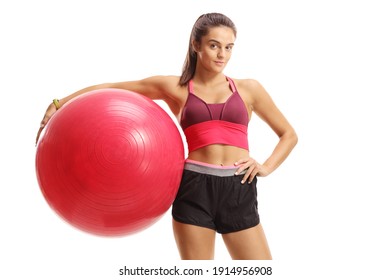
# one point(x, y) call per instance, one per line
point(253, 169)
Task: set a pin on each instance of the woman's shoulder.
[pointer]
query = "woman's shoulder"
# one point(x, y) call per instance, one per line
point(169, 85)
point(248, 86)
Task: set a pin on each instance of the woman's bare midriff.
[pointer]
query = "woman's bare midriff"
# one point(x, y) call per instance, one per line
point(218, 154)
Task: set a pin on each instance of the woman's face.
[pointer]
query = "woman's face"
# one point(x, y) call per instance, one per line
point(215, 49)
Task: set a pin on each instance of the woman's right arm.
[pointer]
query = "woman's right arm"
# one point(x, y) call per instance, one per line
point(156, 87)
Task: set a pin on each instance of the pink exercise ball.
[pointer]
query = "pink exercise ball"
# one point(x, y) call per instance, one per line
point(110, 162)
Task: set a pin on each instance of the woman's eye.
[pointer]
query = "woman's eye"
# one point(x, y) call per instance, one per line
point(213, 46)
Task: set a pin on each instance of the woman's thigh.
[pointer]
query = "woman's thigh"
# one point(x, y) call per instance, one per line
point(248, 244)
point(194, 242)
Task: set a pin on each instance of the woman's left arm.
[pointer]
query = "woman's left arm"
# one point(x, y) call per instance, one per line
point(262, 105)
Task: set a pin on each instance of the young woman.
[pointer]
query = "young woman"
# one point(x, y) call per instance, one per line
point(218, 189)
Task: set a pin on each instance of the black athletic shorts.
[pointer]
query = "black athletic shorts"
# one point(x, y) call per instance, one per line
point(213, 197)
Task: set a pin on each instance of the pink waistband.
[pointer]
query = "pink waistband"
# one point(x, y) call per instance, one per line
point(211, 165)
point(211, 169)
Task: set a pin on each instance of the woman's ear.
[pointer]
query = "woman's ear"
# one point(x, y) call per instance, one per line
point(195, 46)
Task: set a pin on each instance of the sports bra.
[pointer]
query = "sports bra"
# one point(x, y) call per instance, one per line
point(220, 123)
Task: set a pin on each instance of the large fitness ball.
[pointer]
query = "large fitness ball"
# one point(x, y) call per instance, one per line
point(110, 162)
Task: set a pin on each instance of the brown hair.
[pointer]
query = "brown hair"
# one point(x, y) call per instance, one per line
point(200, 29)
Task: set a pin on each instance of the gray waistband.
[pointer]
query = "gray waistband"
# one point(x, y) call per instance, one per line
point(216, 171)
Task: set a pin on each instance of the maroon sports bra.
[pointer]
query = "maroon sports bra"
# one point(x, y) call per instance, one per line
point(221, 123)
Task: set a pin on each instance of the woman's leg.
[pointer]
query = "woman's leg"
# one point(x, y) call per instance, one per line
point(248, 244)
point(194, 242)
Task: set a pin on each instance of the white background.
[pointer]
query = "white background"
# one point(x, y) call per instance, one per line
point(325, 63)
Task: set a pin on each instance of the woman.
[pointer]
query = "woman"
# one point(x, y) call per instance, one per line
point(218, 188)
